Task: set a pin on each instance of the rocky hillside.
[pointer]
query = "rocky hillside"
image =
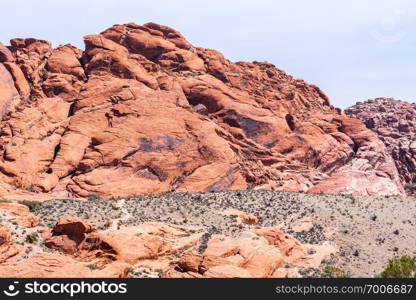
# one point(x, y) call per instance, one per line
point(394, 121)
point(216, 234)
point(141, 110)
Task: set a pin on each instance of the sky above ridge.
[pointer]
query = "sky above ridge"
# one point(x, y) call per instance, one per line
point(354, 50)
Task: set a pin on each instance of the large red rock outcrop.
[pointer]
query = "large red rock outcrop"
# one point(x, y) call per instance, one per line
point(175, 250)
point(394, 122)
point(149, 241)
point(141, 110)
point(259, 253)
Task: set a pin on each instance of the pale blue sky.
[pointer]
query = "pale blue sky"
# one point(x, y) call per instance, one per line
point(353, 50)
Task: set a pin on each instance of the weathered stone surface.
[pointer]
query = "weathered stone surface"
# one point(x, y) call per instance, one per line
point(72, 226)
point(141, 110)
point(8, 249)
point(257, 253)
point(5, 54)
point(9, 97)
point(20, 82)
point(55, 265)
point(4, 234)
point(394, 122)
point(20, 213)
point(174, 249)
point(152, 242)
point(67, 234)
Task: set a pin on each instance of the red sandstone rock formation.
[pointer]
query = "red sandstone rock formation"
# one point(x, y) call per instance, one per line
point(8, 249)
point(260, 252)
point(141, 110)
point(20, 213)
point(56, 265)
point(394, 121)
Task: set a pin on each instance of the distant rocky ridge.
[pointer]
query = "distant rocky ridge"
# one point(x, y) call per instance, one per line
point(394, 121)
point(141, 110)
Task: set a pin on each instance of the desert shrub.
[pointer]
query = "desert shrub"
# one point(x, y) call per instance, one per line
point(30, 189)
point(114, 207)
point(410, 186)
point(32, 238)
point(93, 197)
point(107, 225)
point(160, 273)
point(33, 205)
point(400, 267)
point(94, 267)
point(334, 272)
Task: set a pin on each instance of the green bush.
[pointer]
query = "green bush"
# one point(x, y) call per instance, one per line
point(30, 189)
point(334, 272)
point(93, 197)
point(33, 205)
point(401, 267)
point(32, 238)
point(409, 186)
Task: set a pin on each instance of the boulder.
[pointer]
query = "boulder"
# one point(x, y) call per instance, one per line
point(20, 213)
point(9, 251)
point(72, 226)
point(261, 252)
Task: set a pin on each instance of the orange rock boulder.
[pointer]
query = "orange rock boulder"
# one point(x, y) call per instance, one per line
point(67, 234)
point(8, 249)
point(20, 213)
point(259, 253)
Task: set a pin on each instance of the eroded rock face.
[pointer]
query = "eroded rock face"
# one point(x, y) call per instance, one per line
point(8, 249)
point(259, 253)
point(20, 213)
point(67, 234)
point(8, 93)
point(394, 122)
point(56, 265)
point(141, 110)
point(176, 250)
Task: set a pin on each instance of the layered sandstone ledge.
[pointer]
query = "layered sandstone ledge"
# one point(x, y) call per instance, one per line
point(141, 110)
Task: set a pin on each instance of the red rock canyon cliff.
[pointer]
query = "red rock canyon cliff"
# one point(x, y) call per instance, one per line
point(141, 110)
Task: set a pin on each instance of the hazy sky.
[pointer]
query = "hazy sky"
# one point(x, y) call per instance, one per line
point(353, 50)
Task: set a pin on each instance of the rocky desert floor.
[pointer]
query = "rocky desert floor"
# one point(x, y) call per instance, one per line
point(141, 111)
point(367, 231)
